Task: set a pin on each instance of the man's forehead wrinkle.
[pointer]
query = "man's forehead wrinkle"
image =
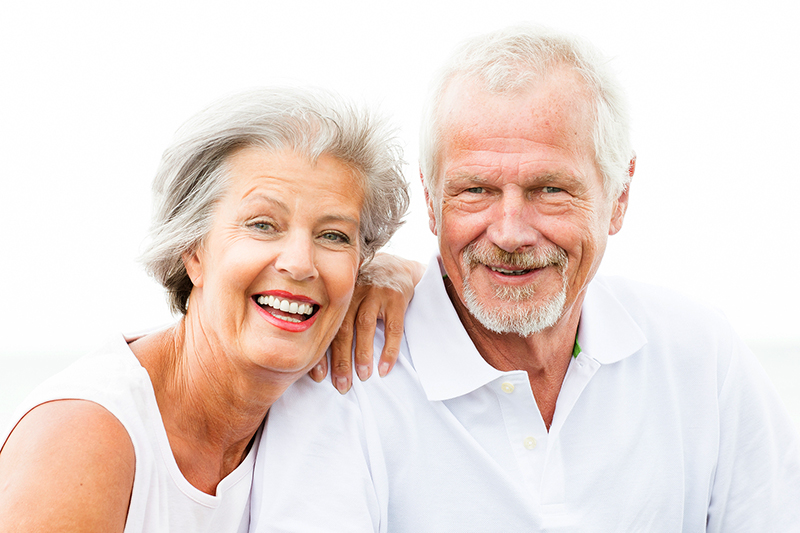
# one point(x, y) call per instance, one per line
point(479, 172)
point(516, 155)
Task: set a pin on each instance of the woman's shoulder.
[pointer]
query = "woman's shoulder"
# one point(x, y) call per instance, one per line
point(67, 462)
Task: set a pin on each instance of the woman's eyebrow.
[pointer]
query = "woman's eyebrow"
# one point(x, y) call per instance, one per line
point(252, 197)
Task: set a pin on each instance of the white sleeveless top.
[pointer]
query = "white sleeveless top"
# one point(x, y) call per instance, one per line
point(162, 499)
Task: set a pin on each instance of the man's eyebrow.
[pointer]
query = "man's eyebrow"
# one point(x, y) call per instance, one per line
point(552, 177)
point(549, 177)
point(467, 176)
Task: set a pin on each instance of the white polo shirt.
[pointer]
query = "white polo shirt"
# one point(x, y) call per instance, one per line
point(665, 422)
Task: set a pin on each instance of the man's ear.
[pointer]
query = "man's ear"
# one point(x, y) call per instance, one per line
point(193, 263)
point(621, 203)
point(429, 203)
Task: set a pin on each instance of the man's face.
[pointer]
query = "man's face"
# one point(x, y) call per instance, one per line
point(519, 207)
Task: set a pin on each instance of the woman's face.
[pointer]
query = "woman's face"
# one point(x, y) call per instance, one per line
point(274, 276)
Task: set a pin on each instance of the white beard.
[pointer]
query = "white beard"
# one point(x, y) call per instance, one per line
point(518, 313)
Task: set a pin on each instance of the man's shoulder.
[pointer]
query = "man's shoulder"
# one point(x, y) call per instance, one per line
point(671, 323)
point(650, 301)
point(684, 333)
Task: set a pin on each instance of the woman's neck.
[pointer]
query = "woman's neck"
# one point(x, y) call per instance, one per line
point(210, 404)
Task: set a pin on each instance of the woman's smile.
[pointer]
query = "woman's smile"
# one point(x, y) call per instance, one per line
point(287, 311)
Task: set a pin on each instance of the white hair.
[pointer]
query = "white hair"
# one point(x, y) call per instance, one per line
point(510, 60)
point(193, 172)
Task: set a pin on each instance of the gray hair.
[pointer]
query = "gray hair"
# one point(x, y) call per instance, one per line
point(511, 60)
point(192, 175)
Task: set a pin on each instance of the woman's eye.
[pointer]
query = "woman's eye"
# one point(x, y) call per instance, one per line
point(552, 190)
point(335, 236)
point(263, 226)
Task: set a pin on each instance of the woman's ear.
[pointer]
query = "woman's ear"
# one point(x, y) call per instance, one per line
point(193, 263)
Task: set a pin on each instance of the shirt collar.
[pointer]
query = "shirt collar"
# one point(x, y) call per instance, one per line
point(449, 365)
point(446, 360)
point(607, 333)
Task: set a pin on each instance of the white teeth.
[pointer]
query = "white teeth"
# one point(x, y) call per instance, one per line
point(509, 272)
point(286, 306)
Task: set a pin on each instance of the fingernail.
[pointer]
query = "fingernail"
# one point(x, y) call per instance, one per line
point(383, 369)
point(363, 372)
point(341, 385)
point(317, 374)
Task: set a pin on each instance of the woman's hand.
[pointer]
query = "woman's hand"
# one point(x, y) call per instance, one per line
point(384, 289)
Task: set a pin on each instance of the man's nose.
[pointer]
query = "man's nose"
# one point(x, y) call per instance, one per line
point(296, 257)
point(511, 228)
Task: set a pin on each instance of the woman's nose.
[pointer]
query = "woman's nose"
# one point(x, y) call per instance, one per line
point(296, 257)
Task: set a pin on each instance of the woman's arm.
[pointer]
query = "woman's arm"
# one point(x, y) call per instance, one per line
point(384, 290)
point(67, 466)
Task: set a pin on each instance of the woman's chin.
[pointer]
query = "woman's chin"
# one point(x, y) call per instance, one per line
point(286, 361)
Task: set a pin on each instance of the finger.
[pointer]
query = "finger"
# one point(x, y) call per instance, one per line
point(393, 335)
point(366, 322)
point(341, 353)
point(342, 348)
point(320, 370)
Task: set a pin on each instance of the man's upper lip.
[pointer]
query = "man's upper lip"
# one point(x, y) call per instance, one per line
point(284, 295)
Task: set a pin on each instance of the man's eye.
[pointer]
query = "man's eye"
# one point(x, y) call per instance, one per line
point(476, 190)
point(552, 190)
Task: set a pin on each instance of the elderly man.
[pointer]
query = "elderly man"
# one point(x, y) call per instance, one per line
point(530, 394)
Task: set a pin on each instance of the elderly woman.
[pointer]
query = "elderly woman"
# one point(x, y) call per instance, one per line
point(267, 205)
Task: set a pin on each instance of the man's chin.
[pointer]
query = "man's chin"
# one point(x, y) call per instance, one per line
point(508, 316)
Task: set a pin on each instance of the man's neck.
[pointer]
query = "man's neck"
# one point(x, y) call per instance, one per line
point(545, 356)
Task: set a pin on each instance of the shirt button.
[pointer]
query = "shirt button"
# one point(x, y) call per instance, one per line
point(529, 443)
point(507, 387)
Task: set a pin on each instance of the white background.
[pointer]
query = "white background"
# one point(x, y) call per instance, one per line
point(91, 93)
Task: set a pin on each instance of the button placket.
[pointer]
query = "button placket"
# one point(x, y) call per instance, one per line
point(522, 423)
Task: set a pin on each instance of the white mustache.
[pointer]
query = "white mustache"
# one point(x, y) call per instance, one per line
point(539, 257)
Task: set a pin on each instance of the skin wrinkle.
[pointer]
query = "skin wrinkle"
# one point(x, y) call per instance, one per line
point(173, 385)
